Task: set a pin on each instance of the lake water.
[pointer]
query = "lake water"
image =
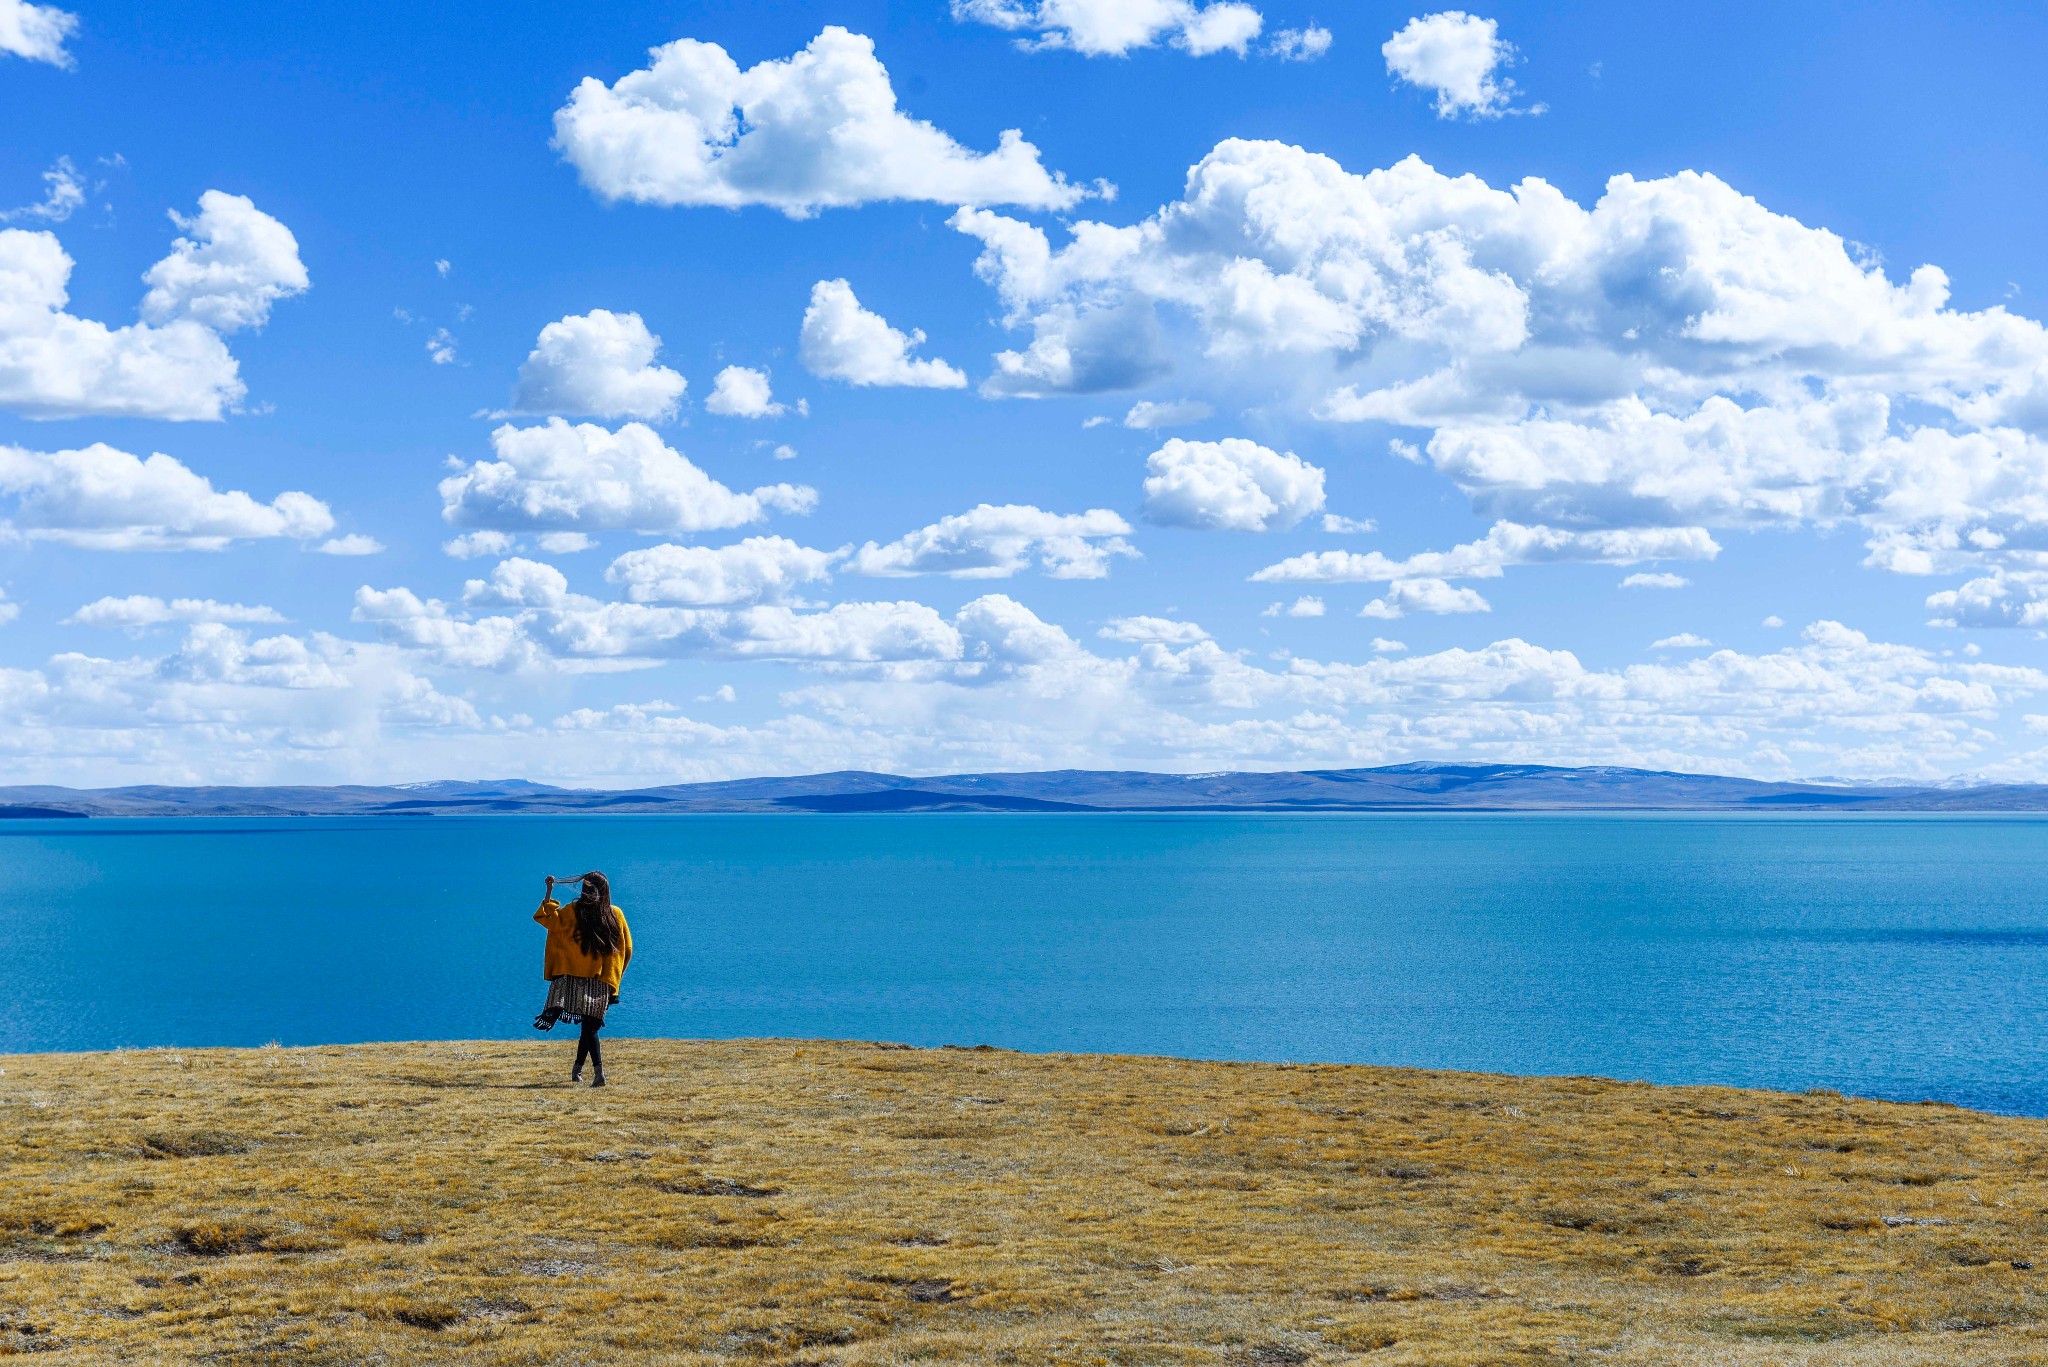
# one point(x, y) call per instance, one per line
point(1895, 957)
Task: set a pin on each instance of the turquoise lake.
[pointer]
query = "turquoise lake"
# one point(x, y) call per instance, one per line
point(1902, 957)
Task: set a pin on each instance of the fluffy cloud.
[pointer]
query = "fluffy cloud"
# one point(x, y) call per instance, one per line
point(701, 576)
point(225, 706)
point(471, 545)
point(63, 192)
point(355, 543)
point(1145, 415)
point(236, 263)
point(1229, 485)
point(817, 130)
point(8, 611)
point(900, 687)
point(564, 543)
point(1835, 700)
point(1145, 630)
point(587, 478)
point(843, 341)
point(1655, 580)
point(1996, 600)
point(1458, 56)
point(990, 542)
point(36, 32)
point(142, 610)
point(56, 365)
point(742, 392)
point(525, 617)
point(1505, 544)
point(105, 499)
point(1112, 28)
point(1674, 355)
point(1305, 606)
point(1404, 596)
point(1684, 640)
point(598, 364)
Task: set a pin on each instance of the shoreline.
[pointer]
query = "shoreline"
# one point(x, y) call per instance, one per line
point(814, 1202)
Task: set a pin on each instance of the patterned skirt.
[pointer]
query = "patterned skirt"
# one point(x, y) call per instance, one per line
point(579, 999)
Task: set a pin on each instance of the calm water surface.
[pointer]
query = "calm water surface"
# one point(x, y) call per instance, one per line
point(1893, 957)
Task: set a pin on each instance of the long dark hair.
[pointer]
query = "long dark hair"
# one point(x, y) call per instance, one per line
point(597, 922)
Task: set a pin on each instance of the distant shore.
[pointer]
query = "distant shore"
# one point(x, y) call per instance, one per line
point(1417, 787)
point(860, 1203)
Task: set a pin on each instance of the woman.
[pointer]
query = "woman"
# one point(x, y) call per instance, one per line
point(587, 952)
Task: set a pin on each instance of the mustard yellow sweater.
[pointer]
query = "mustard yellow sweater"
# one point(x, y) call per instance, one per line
point(564, 957)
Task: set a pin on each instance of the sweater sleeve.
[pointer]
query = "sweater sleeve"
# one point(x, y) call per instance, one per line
point(548, 915)
point(625, 941)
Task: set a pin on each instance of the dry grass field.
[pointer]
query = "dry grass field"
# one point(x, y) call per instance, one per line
point(774, 1201)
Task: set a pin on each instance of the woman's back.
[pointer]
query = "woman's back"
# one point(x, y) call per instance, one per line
point(566, 954)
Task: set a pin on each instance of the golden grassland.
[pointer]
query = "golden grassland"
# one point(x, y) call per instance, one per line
point(779, 1201)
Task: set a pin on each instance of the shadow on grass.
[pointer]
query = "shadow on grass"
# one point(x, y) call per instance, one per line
point(478, 1084)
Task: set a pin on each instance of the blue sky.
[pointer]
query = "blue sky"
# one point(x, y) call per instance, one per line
point(409, 271)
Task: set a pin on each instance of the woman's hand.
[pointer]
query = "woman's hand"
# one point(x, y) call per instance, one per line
point(551, 885)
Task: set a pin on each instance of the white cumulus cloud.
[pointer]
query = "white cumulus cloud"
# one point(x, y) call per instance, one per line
point(143, 610)
point(1674, 354)
point(1996, 600)
point(106, 499)
point(471, 545)
point(598, 364)
point(1655, 580)
point(1458, 57)
point(235, 264)
point(36, 32)
point(816, 130)
point(990, 542)
point(1148, 630)
point(54, 364)
point(1113, 28)
point(760, 567)
point(1229, 485)
point(743, 392)
point(355, 543)
point(525, 617)
point(1404, 596)
point(559, 477)
point(565, 543)
point(841, 340)
point(1684, 640)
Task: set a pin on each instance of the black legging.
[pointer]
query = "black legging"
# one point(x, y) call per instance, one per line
point(588, 1047)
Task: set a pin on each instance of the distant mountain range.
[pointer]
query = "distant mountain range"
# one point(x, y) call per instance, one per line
point(1398, 787)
